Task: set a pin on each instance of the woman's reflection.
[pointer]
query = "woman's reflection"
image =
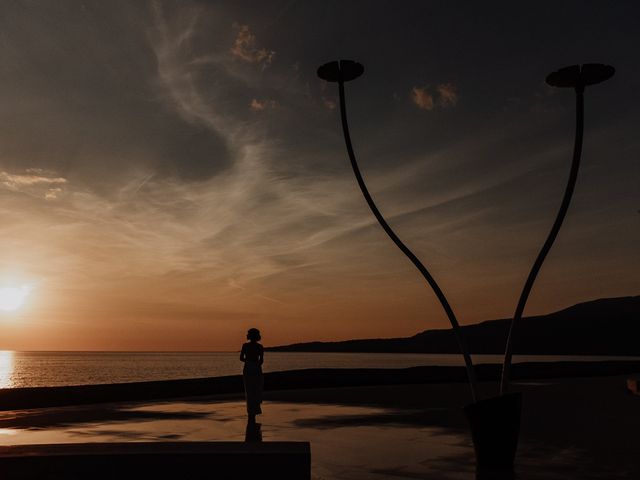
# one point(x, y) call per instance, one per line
point(253, 433)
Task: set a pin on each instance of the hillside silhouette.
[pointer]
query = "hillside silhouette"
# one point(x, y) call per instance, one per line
point(608, 326)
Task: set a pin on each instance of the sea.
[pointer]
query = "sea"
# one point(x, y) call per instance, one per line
point(45, 369)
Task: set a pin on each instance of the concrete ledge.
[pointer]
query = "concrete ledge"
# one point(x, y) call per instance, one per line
point(157, 460)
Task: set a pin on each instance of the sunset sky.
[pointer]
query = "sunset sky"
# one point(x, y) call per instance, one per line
point(173, 173)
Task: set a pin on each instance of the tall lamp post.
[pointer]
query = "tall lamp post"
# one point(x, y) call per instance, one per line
point(577, 77)
point(344, 71)
point(494, 422)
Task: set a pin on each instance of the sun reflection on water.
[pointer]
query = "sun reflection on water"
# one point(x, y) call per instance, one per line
point(6, 368)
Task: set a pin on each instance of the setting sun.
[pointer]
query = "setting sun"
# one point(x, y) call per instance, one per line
point(12, 298)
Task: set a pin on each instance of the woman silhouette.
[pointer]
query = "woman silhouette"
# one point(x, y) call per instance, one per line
point(252, 354)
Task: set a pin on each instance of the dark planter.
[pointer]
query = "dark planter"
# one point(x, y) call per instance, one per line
point(495, 426)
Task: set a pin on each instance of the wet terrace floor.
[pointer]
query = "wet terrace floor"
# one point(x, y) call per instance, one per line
point(348, 442)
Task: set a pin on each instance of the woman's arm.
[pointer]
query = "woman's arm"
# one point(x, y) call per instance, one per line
point(243, 355)
point(261, 355)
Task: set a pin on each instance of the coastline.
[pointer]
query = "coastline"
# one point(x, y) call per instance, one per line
point(42, 397)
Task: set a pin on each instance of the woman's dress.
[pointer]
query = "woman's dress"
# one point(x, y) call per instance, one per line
point(253, 383)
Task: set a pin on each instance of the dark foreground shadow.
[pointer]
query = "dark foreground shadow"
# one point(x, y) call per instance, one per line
point(489, 474)
point(157, 460)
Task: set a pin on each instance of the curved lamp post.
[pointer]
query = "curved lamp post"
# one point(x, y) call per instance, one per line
point(576, 77)
point(345, 71)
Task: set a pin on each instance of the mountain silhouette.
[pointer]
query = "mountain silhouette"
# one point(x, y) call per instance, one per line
point(608, 326)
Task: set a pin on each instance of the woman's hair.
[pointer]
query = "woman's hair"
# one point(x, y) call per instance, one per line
point(253, 334)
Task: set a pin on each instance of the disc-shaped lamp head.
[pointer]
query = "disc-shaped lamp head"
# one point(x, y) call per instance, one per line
point(342, 71)
point(579, 76)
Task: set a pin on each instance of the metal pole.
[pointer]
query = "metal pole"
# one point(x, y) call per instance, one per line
point(418, 264)
point(566, 200)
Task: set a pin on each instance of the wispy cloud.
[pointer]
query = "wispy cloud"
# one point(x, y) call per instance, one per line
point(229, 210)
point(244, 47)
point(34, 181)
point(258, 105)
point(176, 66)
point(328, 103)
point(444, 95)
point(422, 98)
point(29, 178)
point(447, 94)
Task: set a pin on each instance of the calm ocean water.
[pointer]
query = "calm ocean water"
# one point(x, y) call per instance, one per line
point(40, 369)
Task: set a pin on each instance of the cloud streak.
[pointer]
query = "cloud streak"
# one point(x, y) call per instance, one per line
point(34, 181)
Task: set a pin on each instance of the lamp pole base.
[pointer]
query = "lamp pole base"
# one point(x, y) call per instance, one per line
point(495, 428)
